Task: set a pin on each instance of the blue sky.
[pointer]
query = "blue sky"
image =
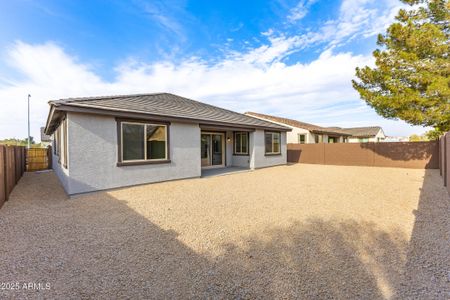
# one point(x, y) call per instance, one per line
point(290, 58)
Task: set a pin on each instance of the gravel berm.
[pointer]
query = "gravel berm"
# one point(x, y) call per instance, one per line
point(288, 232)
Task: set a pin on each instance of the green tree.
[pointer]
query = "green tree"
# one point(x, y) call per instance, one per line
point(418, 138)
point(432, 135)
point(17, 142)
point(411, 78)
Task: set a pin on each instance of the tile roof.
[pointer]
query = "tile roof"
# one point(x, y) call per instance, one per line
point(163, 104)
point(294, 123)
point(369, 131)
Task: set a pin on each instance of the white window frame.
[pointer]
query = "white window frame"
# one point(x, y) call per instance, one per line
point(241, 133)
point(145, 142)
point(273, 144)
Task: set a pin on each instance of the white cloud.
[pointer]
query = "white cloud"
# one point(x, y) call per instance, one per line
point(299, 11)
point(257, 80)
point(356, 19)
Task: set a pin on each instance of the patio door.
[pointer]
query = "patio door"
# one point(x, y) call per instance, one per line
point(212, 147)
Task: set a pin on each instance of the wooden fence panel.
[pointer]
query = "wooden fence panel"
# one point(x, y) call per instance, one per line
point(37, 159)
point(12, 167)
point(10, 170)
point(2, 176)
point(441, 156)
point(17, 164)
point(446, 154)
point(24, 160)
point(417, 155)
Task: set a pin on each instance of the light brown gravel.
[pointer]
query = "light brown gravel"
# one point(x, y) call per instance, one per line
point(299, 231)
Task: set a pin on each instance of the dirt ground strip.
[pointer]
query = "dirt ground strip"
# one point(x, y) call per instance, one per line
point(297, 231)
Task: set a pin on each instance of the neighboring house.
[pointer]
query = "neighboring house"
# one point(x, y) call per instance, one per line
point(396, 139)
point(46, 140)
point(365, 134)
point(108, 142)
point(305, 133)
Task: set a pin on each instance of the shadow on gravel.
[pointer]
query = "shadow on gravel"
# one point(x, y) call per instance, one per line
point(427, 269)
point(317, 259)
point(96, 246)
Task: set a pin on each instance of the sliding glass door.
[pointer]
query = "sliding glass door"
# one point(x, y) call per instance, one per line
point(212, 147)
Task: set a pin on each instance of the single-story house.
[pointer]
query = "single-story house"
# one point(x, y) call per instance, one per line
point(305, 133)
point(396, 139)
point(116, 141)
point(364, 134)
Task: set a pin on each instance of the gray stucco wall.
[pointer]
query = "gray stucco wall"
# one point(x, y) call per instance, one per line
point(236, 160)
point(61, 172)
point(58, 168)
point(258, 158)
point(93, 156)
point(241, 161)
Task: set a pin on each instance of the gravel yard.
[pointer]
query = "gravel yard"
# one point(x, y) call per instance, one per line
point(297, 231)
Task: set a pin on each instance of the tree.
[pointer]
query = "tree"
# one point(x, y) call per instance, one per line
point(17, 142)
point(411, 78)
point(417, 138)
point(31, 140)
point(432, 135)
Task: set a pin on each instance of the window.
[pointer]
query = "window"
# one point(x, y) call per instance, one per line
point(301, 138)
point(141, 142)
point(58, 143)
point(318, 138)
point(55, 142)
point(241, 143)
point(64, 143)
point(363, 140)
point(332, 139)
point(273, 143)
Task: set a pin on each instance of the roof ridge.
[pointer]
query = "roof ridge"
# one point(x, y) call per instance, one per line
point(272, 116)
point(300, 124)
point(90, 98)
point(375, 126)
point(81, 99)
point(164, 104)
point(203, 103)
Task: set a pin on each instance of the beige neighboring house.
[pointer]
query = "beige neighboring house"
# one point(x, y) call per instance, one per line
point(305, 133)
point(46, 140)
point(364, 134)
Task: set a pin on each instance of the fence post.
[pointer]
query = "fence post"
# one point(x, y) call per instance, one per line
point(445, 157)
point(23, 160)
point(4, 195)
point(16, 164)
point(440, 154)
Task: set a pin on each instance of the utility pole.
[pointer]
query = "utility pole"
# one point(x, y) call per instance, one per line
point(29, 121)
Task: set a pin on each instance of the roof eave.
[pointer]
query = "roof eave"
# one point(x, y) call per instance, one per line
point(329, 132)
point(143, 115)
